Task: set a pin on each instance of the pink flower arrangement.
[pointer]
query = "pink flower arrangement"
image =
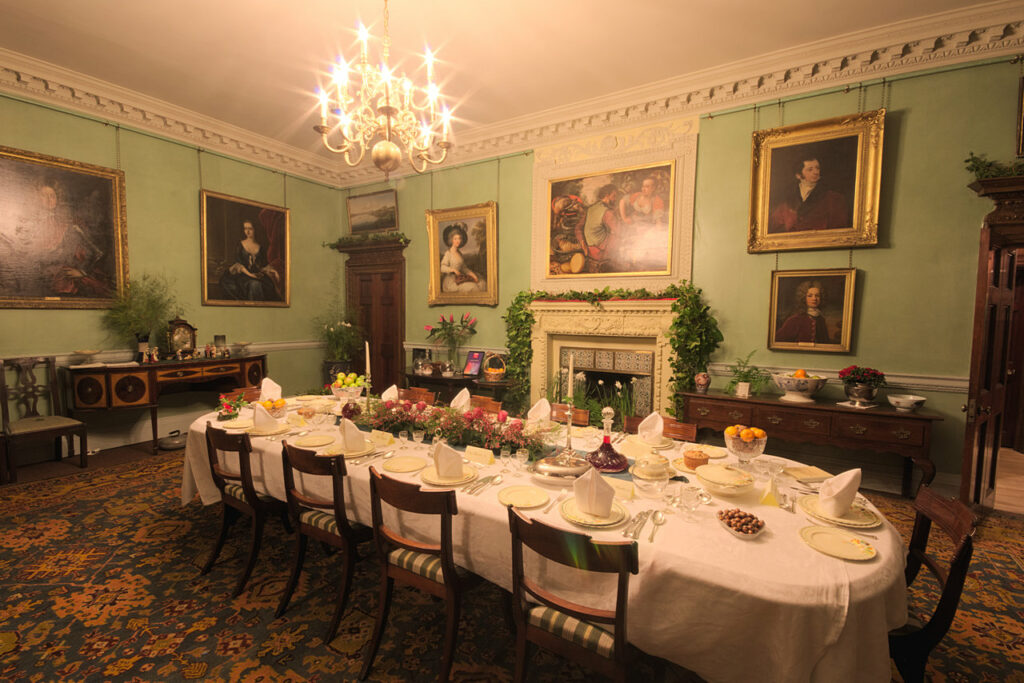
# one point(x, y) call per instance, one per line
point(452, 333)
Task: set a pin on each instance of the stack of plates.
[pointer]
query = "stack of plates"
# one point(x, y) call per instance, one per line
point(858, 516)
point(430, 476)
point(571, 512)
point(664, 443)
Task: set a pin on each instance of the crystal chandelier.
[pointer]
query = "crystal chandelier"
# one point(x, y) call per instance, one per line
point(363, 102)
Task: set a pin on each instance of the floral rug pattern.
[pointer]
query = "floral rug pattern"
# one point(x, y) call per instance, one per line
point(99, 580)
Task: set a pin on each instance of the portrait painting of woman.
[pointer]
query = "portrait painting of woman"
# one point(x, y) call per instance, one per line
point(463, 246)
point(811, 309)
point(245, 252)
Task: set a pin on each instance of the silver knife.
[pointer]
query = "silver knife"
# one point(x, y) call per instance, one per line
point(640, 527)
point(635, 525)
point(479, 483)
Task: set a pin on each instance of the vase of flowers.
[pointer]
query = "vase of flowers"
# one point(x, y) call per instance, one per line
point(861, 384)
point(452, 333)
point(341, 338)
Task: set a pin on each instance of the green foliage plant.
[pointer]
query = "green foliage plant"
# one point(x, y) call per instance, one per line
point(983, 168)
point(390, 237)
point(338, 331)
point(143, 308)
point(743, 371)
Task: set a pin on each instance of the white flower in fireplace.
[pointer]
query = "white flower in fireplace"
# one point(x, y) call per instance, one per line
point(633, 381)
point(600, 382)
point(618, 385)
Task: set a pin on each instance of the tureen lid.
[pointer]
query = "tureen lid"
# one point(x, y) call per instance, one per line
point(570, 467)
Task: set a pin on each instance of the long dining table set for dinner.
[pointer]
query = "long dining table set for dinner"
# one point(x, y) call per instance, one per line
point(749, 569)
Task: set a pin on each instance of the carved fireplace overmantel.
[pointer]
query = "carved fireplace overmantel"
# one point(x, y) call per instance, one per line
point(632, 324)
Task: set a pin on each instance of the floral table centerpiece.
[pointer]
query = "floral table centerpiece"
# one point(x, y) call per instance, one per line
point(861, 384)
point(230, 407)
point(452, 333)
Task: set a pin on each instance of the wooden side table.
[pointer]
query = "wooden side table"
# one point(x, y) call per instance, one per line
point(882, 429)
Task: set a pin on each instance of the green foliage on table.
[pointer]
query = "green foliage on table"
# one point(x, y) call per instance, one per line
point(338, 330)
point(390, 237)
point(693, 336)
point(983, 168)
point(143, 308)
point(743, 371)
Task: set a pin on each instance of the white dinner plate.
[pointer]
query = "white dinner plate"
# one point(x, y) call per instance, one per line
point(571, 512)
point(837, 543)
point(237, 423)
point(308, 397)
point(281, 429)
point(338, 450)
point(858, 517)
point(314, 441)
point(404, 463)
point(665, 442)
point(524, 497)
point(430, 476)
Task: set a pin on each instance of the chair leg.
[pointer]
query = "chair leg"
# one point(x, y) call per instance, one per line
point(386, 588)
point(506, 603)
point(58, 449)
point(911, 668)
point(293, 580)
point(286, 521)
point(258, 520)
point(12, 466)
point(520, 673)
point(83, 455)
point(344, 586)
point(228, 515)
point(451, 633)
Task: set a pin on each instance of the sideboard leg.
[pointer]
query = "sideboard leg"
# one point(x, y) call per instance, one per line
point(152, 421)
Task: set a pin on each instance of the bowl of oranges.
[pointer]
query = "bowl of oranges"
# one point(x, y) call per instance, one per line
point(276, 408)
point(798, 387)
point(746, 443)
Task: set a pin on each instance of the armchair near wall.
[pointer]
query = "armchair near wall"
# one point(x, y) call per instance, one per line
point(32, 411)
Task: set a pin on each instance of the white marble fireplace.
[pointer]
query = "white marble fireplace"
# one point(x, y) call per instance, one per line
point(626, 336)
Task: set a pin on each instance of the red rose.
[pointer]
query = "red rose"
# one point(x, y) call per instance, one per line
point(502, 415)
point(389, 404)
point(421, 406)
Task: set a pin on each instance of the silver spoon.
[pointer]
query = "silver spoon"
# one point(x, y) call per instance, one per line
point(659, 519)
point(492, 482)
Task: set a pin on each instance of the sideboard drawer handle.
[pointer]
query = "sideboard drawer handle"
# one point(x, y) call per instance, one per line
point(179, 373)
point(703, 412)
point(735, 414)
point(812, 424)
point(858, 429)
point(901, 434)
point(774, 419)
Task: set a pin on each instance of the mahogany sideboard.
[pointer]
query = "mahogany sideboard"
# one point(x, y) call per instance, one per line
point(114, 388)
point(882, 429)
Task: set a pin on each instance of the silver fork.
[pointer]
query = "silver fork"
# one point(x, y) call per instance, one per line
point(556, 501)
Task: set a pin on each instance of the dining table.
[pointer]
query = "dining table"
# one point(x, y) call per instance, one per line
point(766, 608)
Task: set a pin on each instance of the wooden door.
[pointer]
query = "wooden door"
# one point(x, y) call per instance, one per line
point(1001, 234)
point(1013, 422)
point(375, 280)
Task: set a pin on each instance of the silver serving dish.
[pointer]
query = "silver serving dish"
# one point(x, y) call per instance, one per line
point(557, 467)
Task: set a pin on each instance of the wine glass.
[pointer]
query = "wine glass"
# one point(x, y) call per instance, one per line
point(690, 499)
point(522, 458)
point(403, 436)
point(506, 460)
point(671, 496)
point(417, 436)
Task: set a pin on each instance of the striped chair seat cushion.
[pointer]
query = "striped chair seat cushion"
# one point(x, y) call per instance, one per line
point(572, 629)
point(418, 563)
point(321, 520)
point(236, 491)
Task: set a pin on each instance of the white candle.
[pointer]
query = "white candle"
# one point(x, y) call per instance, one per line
point(367, 358)
point(572, 356)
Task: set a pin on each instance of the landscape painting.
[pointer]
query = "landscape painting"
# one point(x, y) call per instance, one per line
point(374, 212)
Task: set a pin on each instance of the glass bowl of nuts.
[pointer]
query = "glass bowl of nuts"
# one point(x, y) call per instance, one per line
point(741, 524)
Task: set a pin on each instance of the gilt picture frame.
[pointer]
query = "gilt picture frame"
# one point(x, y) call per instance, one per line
point(462, 248)
point(373, 212)
point(612, 223)
point(245, 253)
point(816, 185)
point(63, 232)
point(812, 310)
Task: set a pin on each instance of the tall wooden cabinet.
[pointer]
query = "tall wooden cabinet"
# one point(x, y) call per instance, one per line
point(375, 288)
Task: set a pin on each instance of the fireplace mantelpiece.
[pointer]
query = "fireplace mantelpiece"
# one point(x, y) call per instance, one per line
point(634, 325)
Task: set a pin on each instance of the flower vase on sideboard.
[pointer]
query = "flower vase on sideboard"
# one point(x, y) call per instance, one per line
point(860, 394)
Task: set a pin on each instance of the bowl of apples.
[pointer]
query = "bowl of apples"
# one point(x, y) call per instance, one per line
point(798, 387)
point(348, 387)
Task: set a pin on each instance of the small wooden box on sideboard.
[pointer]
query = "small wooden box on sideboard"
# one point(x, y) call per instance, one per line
point(882, 429)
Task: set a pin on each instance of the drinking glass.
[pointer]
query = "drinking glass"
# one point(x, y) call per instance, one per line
point(690, 499)
point(506, 460)
point(671, 497)
point(417, 436)
point(522, 458)
point(761, 469)
point(403, 436)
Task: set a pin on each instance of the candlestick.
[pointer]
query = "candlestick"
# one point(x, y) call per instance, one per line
point(572, 357)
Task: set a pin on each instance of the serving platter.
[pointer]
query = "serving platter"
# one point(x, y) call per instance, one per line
point(837, 543)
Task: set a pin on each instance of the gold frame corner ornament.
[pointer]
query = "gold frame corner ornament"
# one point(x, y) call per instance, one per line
point(848, 288)
point(868, 128)
point(487, 212)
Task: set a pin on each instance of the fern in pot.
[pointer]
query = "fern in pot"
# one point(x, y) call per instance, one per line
point(141, 310)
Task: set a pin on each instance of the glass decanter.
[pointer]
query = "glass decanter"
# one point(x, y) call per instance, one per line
point(605, 458)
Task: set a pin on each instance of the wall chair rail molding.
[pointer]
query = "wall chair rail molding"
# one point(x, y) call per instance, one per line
point(974, 33)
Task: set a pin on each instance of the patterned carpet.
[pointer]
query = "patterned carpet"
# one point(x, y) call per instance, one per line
point(99, 580)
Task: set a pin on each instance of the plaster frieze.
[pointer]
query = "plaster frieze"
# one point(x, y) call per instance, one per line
point(974, 33)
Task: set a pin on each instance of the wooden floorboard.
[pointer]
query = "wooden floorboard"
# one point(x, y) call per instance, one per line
point(1010, 481)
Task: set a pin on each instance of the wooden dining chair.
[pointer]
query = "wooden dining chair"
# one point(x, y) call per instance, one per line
point(428, 567)
point(566, 628)
point(238, 496)
point(910, 645)
point(322, 520)
point(631, 423)
point(680, 431)
point(417, 394)
point(580, 416)
point(250, 394)
point(39, 414)
point(486, 403)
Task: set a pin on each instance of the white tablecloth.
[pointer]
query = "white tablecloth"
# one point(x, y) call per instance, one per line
point(770, 609)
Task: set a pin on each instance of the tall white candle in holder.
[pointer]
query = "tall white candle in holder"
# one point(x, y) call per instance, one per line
point(367, 344)
point(572, 379)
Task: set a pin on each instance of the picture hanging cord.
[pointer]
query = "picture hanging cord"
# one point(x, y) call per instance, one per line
point(757, 119)
point(861, 97)
point(284, 180)
point(117, 145)
point(850, 262)
point(776, 260)
point(431, 191)
point(884, 95)
point(497, 196)
point(782, 113)
point(199, 164)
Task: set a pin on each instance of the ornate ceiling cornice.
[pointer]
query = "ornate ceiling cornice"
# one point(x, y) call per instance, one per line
point(981, 32)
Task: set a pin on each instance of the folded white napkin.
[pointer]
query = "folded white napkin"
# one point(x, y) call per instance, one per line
point(262, 420)
point(447, 462)
point(390, 394)
point(593, 494)
point(650, 429)
point(461, 400)
point(541, 410)
point(269, 390)
point(352, 440)
point(836, 494)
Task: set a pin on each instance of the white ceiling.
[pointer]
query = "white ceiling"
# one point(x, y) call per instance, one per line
point(255, 64)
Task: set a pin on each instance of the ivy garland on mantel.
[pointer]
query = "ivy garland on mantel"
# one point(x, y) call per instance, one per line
point(391, 237)
point(694, 334)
